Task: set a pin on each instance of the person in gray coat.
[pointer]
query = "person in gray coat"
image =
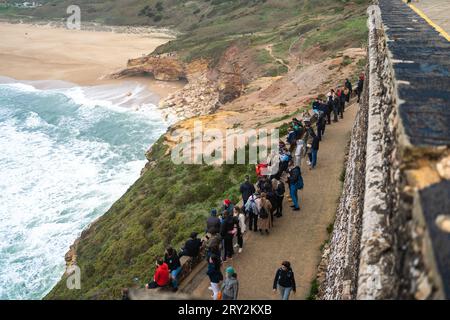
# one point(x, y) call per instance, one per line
point(230, 286)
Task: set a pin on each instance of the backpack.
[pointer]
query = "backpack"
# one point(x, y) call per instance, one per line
point(263, 214)
point(300, 183)
point(280, 189)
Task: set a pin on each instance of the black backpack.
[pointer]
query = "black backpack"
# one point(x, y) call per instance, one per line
point(263, 214)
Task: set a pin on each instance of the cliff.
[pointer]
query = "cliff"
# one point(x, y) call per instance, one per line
point(233, 81)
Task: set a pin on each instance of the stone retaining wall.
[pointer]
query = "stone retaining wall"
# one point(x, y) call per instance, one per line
point(386, 243)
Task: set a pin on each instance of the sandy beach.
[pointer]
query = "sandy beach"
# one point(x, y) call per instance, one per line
point(32, 52)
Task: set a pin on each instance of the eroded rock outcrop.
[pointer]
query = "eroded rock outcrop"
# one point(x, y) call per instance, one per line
point(162, 68)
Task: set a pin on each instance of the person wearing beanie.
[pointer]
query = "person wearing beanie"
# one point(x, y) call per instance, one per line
point(227, 206)
point(230, 286)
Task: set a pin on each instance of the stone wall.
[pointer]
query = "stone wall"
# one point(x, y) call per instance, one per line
point(342, 254)
point(386, 242)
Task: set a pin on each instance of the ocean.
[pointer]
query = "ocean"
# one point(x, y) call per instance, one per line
point(66, 154)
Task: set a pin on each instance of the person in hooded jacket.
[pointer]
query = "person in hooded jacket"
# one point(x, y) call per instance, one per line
point(161, 277)
point(284, 280)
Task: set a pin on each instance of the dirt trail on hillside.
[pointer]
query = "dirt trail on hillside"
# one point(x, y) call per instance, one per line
point(269, 49)
point(297, 236)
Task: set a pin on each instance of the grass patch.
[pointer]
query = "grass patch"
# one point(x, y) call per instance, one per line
point(162, 208)
point(346, 61)
point(314, 290)
point(342, 175)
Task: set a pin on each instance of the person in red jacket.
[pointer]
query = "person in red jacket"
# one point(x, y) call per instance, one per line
point(162, 277)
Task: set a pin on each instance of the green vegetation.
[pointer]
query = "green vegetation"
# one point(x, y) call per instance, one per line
point(208, 27)
point(346, 60)
point(314, 290)
point(283, 129)
point(287, 116)
point(162, 208)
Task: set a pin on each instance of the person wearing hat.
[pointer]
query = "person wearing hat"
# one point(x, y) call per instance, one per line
point(227, 206)
point(192, 246)
point(230, 286)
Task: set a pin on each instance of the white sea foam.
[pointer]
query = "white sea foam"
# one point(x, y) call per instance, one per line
point(66, 155)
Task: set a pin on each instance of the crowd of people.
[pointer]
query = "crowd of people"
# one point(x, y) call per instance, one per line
point(262, 202)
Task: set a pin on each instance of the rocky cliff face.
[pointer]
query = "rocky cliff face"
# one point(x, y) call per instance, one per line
point(208, 87)
point(164, 68)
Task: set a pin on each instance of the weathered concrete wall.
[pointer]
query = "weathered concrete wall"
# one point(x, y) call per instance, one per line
point(388, 236)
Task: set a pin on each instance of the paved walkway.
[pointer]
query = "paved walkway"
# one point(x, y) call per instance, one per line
point(437, 11)
point(297, 236)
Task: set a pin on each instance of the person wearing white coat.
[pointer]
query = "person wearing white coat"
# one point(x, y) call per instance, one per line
point(242, 228)
point(299, 151)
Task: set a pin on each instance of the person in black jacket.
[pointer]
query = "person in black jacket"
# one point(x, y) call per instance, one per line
point(314, 149)
point(342, 98)
point(279, 192)
point(293, 179)
point(247, 189)
point(173, 262)
point(192, 246)
point(329, 106)
point(215, 275)
point(284, 280)
point(348, 85)
point(360, 86)
point(213, 223)
point(336, 106)
point(227, 231)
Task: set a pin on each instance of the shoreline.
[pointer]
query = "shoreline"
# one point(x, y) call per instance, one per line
point(50, 56)
point(82, 57)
